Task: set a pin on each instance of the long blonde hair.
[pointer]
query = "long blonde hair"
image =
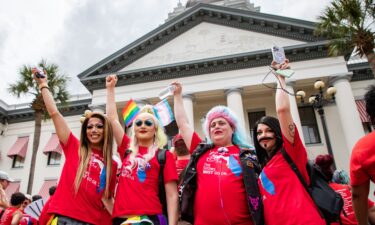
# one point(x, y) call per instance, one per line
point(160, 139)
point(85, 152)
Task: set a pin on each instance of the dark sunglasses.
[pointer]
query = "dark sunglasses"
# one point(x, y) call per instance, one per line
point(98, 126)
point(147, 122)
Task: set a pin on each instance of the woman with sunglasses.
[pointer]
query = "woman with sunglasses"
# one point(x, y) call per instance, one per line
point(137, 190)
point(89, 173)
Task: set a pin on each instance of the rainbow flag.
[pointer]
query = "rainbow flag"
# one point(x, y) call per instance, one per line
point(129, 112)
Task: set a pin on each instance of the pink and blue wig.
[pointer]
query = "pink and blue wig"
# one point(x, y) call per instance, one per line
point(238, 138)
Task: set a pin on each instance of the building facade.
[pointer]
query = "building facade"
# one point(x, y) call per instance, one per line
point(220, 52)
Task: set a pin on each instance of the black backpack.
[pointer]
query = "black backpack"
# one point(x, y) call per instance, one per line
point(162, 158)
point(329, 203)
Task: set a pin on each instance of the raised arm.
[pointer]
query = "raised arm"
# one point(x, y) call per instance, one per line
point(283, 105)
point(61, 126)
point(181, 118)
point(111, 109)
point(3, 199)
point(360, 205)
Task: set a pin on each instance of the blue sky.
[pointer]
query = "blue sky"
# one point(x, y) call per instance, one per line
point(75, 34)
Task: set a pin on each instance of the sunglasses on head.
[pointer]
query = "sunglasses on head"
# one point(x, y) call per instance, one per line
point(98, 126)
point(147, 122)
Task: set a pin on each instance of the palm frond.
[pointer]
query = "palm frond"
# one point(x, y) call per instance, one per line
point(344, 22)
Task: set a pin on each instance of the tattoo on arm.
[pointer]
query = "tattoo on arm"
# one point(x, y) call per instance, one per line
point(291, 130)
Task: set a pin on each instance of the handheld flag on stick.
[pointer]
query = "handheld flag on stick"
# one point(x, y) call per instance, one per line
point(129, 112)
point(163, 112)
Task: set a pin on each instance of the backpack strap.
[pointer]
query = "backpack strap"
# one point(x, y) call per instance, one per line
point(162, 158)
point(188, 185)
point(250, 171)
point(299, 175)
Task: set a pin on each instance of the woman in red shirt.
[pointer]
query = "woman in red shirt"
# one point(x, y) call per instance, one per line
point(136, 197)
point(347, 216)
point(284, 198)
point(88, 175)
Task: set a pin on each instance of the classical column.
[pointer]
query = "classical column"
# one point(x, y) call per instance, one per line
point(348, 113)
point(97, 108)
point(294, 108)
point(188, 105)
point(235, 103)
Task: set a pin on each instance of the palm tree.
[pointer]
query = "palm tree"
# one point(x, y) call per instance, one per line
point(27, 86)
point(349, 24)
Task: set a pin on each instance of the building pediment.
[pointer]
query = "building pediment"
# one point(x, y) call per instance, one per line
point(124, 62)
point(208, 40)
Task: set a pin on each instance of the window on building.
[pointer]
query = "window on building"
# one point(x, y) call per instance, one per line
point(253, 118)
point(309, 125)
point(54, 158)
point(18, 161)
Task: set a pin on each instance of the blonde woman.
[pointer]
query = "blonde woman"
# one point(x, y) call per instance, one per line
point(137, 191)
point(88, 175)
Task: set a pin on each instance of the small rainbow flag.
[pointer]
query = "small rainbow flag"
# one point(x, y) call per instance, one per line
point(129, 112)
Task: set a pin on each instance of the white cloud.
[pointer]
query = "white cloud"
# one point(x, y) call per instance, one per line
point(76, 34)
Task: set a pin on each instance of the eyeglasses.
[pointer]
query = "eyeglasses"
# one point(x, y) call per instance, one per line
point(98, 126)
point(147, 122)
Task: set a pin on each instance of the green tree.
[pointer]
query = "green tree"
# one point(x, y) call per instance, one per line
point(349, 24)
point(27, 86)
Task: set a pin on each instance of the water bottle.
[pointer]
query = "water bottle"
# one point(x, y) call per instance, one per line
point(167, 92)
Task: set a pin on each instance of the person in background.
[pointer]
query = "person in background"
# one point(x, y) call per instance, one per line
point(137, 190)
point(4, 183)
point(325, 162)
point(284, 197)
point(27, 201)
point(88, 176)
point(340, 177)
point(182, 153)
point(13, 214)
point(36, 197)
point(362, 163)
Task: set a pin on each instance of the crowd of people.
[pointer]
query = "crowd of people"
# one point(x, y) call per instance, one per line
point(220, 178)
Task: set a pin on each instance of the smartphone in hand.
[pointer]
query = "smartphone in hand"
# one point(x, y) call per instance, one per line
point(278, 54)
point(39, 73)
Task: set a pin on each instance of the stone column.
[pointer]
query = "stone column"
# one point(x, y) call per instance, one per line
point(348, 113)
point(235, 103)
point(294, 108)
point(189, 109)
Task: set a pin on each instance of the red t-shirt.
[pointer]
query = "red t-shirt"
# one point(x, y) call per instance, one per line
point(362, 162)
point(137, 190)
point(347, 218)
point(181, 164)
point(44, 216)
point(86, 205)
point(285, 199)
point(221, 196)
point(7, 217)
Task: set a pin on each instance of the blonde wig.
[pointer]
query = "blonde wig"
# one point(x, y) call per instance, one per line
point(160, 139)
point(85, 151)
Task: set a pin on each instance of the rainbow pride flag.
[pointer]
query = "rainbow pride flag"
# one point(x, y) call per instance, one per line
point(129, 112)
